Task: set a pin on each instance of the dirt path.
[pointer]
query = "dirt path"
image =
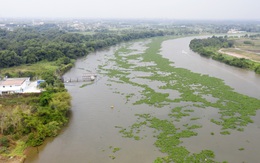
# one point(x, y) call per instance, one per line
point(11, 160)
point(233, 54)
point(236, 55)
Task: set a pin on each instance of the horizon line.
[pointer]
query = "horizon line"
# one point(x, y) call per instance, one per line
point(129, 18)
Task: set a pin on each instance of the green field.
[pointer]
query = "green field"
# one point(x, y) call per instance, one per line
point(37, 69)
point(246, 47)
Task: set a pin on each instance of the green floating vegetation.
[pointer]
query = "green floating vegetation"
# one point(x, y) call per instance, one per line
point(168, 140)
point(129, 96)
point(112, 157)
point(135, 129)
point(225, 132)
point(86, 84)
point(194, 127)
point(188, 110)
point(241, 149)
point(176, 112)
point(116, 149)
point(195, 118)
point(235, 109)
point(194, 91)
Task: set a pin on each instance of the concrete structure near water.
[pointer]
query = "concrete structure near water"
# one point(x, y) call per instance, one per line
point(84, 77)
point(17, 85)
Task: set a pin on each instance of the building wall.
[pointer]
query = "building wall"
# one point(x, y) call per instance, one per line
point(15, 88)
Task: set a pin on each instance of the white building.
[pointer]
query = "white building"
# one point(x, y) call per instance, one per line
point(235, 31)
point(14, 85)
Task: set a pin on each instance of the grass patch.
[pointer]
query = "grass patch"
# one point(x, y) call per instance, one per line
point(37, 68)
point(19, 149)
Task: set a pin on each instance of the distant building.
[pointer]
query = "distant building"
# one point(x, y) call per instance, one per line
point(234, 31)
point(14, 85)
point(37, 23)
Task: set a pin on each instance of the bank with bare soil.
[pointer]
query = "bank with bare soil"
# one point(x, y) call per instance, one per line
point(221, 49)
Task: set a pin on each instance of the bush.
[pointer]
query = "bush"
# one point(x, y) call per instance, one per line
point(43, 85)
point(65, 68)
point(257, 69)
point(4, 142)
point(248, 42)
point(218, 57)
point(26, 74)
point(45, 98)
point(3, 150)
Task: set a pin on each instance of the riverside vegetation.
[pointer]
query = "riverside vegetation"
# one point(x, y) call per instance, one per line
point(45, 53)
point(192, 92)
point(27, 119)
point(210, 48)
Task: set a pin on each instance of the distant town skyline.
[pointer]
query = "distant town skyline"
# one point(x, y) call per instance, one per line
point(137, 9)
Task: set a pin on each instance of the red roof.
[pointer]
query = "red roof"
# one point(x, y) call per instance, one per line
point(13, 81)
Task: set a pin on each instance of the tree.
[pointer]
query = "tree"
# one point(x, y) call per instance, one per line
point(9, 58)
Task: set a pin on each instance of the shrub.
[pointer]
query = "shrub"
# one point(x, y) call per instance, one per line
point(248, 42)
point(257, 69)
point(4, 142)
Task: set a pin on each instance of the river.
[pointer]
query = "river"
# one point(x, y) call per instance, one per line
point(91, 134)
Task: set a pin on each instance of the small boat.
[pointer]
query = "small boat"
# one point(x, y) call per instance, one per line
point(92, 77)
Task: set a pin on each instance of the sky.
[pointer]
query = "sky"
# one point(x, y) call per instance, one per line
point(162, 9)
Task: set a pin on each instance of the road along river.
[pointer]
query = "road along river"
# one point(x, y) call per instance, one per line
point(157, 100)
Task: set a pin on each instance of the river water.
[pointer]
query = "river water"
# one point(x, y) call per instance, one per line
point(91, 134)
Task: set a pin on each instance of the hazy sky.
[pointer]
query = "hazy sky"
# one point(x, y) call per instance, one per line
point(173, 9)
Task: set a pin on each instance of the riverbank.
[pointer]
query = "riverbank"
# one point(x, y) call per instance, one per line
point(49, 60)
point(151, 98)
point(241, 54)
point(149, 92)
point(220, 49)
point(31, 117)
point(12, 159)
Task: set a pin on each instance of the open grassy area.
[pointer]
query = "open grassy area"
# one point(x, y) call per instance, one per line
point(37, 69)
point(245, 47)
point(242, 54)
point(248, 44)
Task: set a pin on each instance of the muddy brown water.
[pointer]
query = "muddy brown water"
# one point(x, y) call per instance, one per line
point(91, 134)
